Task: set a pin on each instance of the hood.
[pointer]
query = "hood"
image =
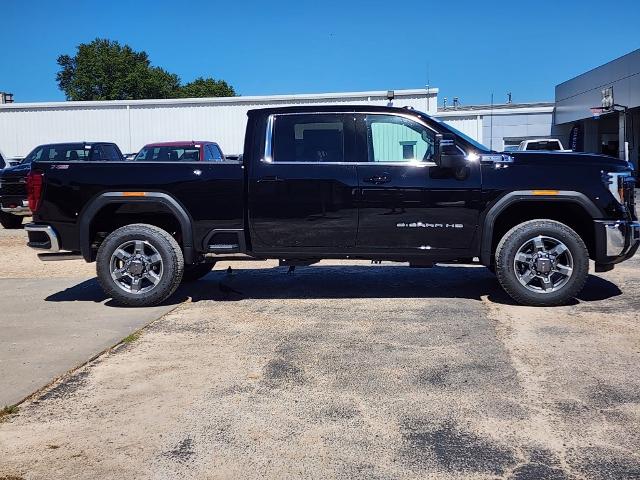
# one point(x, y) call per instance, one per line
point(564, 158)
point(17, 171)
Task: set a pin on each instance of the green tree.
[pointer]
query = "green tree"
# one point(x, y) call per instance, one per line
point(106, 70)
point(207, 87)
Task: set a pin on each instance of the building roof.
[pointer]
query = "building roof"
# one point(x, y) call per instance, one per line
point(225, 100)
point(496, 109)
point(179, 143)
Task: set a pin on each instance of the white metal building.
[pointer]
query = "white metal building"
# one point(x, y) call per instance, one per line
point(501, 126)
point(132, 124)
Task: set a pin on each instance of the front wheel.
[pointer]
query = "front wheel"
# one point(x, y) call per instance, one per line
point(542, 263)
point(139, 265)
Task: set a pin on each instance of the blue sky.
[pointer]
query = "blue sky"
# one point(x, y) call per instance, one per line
point(466, 48)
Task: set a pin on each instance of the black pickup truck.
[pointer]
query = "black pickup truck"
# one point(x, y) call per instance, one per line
point(357, 182)
point(13, 188)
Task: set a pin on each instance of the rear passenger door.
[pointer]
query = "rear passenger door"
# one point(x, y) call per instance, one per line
point(302, 192)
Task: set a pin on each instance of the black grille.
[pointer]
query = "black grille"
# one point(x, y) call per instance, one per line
point(12, 188)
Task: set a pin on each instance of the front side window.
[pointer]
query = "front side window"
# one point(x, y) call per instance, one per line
point(34, 156)
point(212, 153)
point(308, 138)
point(216, 153)
point(112, 153)
point(398, 139)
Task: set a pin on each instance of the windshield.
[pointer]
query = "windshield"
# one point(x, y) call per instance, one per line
point(544, 145)
point(169, 154)
point(457, 132)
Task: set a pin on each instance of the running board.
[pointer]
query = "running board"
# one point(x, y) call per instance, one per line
point(225, 241)
point(56, 257)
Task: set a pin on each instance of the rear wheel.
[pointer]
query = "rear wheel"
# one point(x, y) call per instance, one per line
point(542, 263)
point(196, 272)
point(139, 265)
point(9, 221)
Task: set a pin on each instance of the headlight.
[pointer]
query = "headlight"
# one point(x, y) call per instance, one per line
point(615, 184)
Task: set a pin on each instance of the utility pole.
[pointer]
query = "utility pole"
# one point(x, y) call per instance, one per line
point(491, 127)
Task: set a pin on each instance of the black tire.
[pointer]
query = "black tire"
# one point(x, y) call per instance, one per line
point(196, 272)
point(516, 238)
point(172, 264)
point(9, 221)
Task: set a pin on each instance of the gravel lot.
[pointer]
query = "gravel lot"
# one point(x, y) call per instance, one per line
point(349, 371)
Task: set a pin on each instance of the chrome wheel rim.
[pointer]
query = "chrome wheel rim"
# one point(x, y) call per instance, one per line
point(543, 264)
point(136, 267)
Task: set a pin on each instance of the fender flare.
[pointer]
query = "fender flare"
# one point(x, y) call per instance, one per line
point(95, 205)
point(527, 196)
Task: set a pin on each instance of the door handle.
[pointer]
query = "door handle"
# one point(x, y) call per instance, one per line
point(271, 178)
point(377, 179)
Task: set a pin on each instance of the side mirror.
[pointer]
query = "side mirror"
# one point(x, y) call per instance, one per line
point(447, 154)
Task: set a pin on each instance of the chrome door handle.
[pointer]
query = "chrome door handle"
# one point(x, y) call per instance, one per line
point(271, 178)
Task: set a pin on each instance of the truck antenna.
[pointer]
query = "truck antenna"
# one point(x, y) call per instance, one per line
point(428, 89)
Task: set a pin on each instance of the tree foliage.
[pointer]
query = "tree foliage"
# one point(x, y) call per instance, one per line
point(106, 70)
point(207, 87)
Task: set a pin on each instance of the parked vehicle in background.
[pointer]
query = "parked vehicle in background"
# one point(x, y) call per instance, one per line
point(547, 144)
point(12, 162)
point(130, 156)
point(336, 181)
point(13, 189)
point(191, 151)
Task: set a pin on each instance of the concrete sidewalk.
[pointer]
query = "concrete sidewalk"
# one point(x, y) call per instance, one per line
point(49, 326)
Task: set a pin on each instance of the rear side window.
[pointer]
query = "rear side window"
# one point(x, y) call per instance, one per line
point(308, 138)
point(169, 154)
point(63, 153)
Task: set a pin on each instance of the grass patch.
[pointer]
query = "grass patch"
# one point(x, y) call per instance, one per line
point(8, 410)
point(131, 337)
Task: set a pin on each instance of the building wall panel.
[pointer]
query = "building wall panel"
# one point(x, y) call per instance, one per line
point(133, 124)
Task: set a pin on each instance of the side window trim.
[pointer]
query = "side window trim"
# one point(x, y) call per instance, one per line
point(359, 119)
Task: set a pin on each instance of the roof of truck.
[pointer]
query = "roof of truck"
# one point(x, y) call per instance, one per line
point(178, 143)
point(334, 108)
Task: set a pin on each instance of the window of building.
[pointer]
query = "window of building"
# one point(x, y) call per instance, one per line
point(408, 150)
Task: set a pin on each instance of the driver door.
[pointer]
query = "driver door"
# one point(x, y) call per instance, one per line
point(406, 200)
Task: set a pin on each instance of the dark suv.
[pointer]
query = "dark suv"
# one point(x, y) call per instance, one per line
point(13, 180)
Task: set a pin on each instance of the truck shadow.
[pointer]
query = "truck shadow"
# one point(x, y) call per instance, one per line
point(336, 282)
